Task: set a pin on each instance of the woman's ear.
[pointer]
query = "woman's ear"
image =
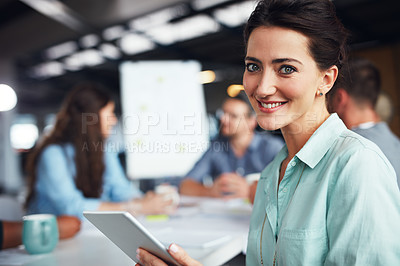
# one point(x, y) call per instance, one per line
point(328, 79)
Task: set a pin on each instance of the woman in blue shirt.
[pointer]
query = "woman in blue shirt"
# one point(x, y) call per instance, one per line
point(72, 169)
point(330, 196)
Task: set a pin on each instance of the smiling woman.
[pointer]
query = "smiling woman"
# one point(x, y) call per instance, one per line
point(322, 200)
point(310, 206)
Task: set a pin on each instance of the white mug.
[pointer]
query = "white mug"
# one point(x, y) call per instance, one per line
point(250, 178)
point(39, 233)
point(169, 192)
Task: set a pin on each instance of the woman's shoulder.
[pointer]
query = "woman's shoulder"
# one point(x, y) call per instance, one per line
point(352, 148)
point(351, 142)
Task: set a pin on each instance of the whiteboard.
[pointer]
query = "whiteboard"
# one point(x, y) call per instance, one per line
point(164, 118)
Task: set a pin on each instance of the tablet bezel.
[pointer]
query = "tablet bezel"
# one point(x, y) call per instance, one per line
point(128, 233)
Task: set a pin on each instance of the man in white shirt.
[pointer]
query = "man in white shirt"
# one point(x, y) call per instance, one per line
point(354, 97)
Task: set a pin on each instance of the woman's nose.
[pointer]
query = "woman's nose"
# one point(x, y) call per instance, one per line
point(266, 86)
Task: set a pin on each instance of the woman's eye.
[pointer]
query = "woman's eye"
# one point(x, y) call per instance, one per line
point(287, 70)
point(251, 67)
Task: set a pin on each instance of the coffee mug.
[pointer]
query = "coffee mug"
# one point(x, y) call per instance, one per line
point(39, 233)
point(251, 178)
point(169, 192)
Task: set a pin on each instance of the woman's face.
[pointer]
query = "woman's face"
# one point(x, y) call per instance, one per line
point(107, 119)
point(281, 79)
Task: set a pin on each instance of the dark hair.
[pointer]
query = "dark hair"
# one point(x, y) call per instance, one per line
point(361, 80)
point(316, 19)
point(77, 123)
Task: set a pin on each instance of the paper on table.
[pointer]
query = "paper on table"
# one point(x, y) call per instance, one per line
point(224, 207)
point(190, 239)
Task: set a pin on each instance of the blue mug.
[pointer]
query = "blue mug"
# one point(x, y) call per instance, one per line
point(39, 233)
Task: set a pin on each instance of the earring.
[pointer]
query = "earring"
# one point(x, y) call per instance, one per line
point(320, 91)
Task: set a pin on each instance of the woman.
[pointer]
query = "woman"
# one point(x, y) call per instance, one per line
point(72, 170)
point(330, 196)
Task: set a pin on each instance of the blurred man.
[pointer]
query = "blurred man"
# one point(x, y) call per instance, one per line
point(354, 99)
point(237, 153)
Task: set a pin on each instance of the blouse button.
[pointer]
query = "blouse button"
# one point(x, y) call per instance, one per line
point(293, 163)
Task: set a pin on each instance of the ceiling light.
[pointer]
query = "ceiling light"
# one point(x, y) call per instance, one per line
point(48, 70)
point(186, 29)
point(89, 41)
point(60, 12)
point(207, 76)
point(110, 51)
point(159, 17)
point(8, 98)
point(61, 50)
point(234, 89)
point(113, 33)
point(203, 4)
point(51, 8)
point(73, 63)
point(135, 43)
point(236, 14)
point(91, 57)
point(85, 58)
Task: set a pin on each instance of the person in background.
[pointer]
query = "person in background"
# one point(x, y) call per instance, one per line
point(330, 196)
point(354, 99)
point(239, 151)
point(72, 169)
point(11, 231)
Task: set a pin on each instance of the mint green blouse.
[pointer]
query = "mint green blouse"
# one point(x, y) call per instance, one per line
point(337, 204)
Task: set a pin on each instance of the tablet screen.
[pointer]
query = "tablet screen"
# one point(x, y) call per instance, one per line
point(128, 233)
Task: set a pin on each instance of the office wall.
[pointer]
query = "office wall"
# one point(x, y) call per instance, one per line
point(10, 176)
point(387, 59)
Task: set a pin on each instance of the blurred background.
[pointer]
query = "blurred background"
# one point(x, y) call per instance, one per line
point(47, 46)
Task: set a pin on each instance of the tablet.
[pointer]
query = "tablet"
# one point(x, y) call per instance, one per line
point(127, 233)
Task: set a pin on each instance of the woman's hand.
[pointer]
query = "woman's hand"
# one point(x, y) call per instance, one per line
point(178, 253)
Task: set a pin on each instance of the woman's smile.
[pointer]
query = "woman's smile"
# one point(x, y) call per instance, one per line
point(270, 106)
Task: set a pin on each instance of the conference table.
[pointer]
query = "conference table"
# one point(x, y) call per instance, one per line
point(212, 231)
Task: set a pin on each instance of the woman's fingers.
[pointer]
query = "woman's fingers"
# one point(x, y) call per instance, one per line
point(180, 255)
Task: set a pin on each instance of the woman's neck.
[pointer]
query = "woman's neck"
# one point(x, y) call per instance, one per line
point(297, 133)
